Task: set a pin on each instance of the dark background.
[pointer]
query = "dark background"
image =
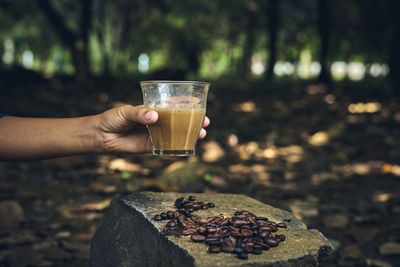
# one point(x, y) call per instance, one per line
point(303, 103)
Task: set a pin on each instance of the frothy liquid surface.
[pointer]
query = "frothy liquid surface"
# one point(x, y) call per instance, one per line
point(176, 129)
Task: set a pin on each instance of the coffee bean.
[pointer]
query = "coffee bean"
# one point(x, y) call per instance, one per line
point(217, 220)
point(181, 218)
point(209, 219)
point(266, 228)
point(264, 234)
point(234, 231)
point(196, 206)
point(262, 223)
point(280, 238)
point(157, 217)
point(171, 224)
point(226, 221)
point(211, 230)
point(187, 213)
point(188, 223)
point(252, 220)
point(195, 217)
point(212, 239)
point(211, 225)
point(230, 241)
point(246, 233)
point(170, 214)
point(258, 239)
point(248, 247)
point(198, 238)
point(224, 233)
point(203, 221)
point(188, 205)
point(189, 231)
point(214, 243)
point(257, 251)
point(243, 255)
point(202, 229)
point(257, 246)
point(252, 224)
point(271, 242)
point(238, 250)
point(263, 245)
point(282, 225)
point(178, 202)
point(212, 235)
point(214, 249)
point(236, 234)
point(242, 233)
point(239, 223)
point(181, 204)
point(241, 217)
point(228, 249)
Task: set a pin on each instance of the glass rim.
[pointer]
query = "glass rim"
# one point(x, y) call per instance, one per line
point(174, 82)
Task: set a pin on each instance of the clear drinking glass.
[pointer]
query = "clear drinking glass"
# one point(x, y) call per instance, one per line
point(181, 107)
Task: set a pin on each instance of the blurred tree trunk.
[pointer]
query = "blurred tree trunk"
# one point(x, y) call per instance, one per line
point(273, 29)
point(126, 24)
point(191, 51)
point(250, 20)
point(186, 47)
point(394, 45)
point(324, 32)
point(100, 32)
point(77, 43)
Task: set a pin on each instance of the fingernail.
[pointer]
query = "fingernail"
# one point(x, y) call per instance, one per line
point(148, 115)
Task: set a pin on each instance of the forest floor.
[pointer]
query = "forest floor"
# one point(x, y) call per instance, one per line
point(331, 157)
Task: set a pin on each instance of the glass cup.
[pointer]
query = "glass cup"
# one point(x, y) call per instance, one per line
point(181, 107)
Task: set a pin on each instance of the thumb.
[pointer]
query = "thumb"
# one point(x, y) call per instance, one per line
point(139, 114)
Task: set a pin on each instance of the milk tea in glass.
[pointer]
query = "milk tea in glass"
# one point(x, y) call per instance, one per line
point(181, 107)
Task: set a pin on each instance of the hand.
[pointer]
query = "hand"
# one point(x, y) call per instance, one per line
point(123, 129)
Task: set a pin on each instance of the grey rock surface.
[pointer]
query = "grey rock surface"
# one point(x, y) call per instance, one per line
point(129, 237)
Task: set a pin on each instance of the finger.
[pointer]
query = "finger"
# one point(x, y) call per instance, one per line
point(206, 121)
point(202, 133)
point(139, 114)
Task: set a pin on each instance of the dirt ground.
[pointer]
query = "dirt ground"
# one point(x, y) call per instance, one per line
point(330, 156)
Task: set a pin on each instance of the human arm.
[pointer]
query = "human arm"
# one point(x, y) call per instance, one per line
point(120, 129)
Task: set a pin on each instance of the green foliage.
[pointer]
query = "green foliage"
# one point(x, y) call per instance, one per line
point(207, 177)
point(125, 175)
point(205, 38)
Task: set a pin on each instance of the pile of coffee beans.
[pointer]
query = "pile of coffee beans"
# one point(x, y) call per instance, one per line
point(241, 234)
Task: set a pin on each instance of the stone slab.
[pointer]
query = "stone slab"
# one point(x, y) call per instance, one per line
point(129, 237)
